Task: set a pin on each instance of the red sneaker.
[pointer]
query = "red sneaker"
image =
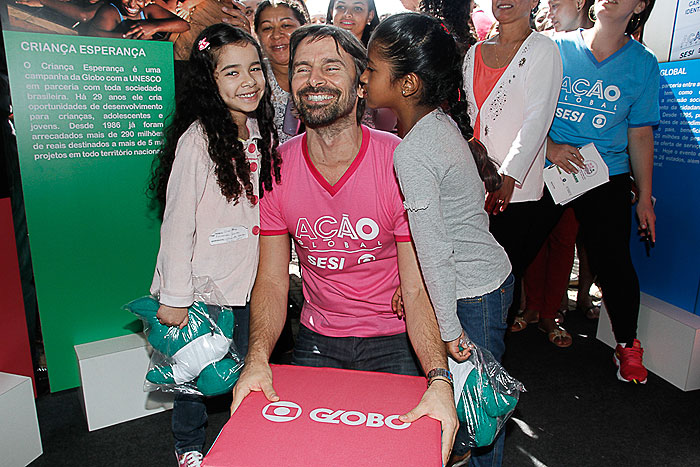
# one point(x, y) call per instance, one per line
point(628, 360)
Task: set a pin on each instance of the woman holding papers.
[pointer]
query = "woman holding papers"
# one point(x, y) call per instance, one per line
point(609, 96)
point(511, 83)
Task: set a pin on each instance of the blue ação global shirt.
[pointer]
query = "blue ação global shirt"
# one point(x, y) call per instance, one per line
point(600, 101)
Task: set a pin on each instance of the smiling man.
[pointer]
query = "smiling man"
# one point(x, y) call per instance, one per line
point(340, 202)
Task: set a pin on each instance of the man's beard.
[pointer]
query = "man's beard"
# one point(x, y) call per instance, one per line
point(325, 114)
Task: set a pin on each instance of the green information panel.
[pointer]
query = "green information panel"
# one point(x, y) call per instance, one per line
point(89, 116)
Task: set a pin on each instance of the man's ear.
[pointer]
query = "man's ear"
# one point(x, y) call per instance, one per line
point(410, 85)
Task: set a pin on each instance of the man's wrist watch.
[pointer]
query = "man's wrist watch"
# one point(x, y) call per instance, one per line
point(440, 373)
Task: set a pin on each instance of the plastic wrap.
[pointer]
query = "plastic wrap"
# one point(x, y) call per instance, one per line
point(201, 358)
point(485, 395)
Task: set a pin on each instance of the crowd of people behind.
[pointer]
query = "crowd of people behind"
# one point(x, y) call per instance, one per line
point(403, 161)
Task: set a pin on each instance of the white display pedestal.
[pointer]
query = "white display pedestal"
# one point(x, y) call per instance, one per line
point(20, 441)
point(112, 373)
point(670, 337)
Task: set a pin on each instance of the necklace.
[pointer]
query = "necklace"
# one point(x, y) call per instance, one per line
point(511, 52)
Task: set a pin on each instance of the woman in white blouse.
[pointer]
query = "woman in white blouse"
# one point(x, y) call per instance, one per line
point(512, 83)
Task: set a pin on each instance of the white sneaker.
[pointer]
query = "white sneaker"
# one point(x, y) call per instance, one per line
point(189, 459)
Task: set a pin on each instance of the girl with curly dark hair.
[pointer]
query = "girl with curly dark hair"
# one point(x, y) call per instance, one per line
point(218, 156)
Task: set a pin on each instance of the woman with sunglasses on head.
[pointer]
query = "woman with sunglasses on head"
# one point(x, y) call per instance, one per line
point(360, 17)
point(616, 80)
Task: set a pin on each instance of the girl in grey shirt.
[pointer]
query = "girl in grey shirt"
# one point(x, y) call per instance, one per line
point(414, 69)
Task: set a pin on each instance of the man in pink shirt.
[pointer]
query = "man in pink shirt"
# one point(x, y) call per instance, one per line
point(340, 202)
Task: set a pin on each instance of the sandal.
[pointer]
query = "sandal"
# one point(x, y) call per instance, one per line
point(561, 314)
point(592, 312)
point(521, 323)
point(558, 336)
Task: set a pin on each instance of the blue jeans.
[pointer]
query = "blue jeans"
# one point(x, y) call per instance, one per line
point(484, 320)
point(189, 410)
point(390, 354)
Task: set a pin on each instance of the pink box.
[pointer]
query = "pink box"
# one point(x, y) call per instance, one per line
point(327, 417)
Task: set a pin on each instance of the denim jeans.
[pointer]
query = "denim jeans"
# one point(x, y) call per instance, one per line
point(390, 354)
point(484, 320)
point(189, 410)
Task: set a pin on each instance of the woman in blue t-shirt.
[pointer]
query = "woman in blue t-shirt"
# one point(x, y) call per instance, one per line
point(609, 97)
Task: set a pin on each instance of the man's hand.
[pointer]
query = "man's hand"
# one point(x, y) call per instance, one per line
point(254, 377)
point(497, 201)
point(438, 403)
point(458, 348)
point(172, 316)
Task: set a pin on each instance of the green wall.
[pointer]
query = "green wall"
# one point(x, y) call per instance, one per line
point(92, 235)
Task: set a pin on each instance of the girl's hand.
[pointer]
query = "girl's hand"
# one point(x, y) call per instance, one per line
point(172, 316)
point(565, 156)
point(236, 15)
point(30, 3)
point(141, 30)
point(397, 303)
point(647, 218)
point(453, 348)
point(498, 200)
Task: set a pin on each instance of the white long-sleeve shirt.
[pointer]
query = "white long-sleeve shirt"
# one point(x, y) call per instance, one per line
point(202, 233)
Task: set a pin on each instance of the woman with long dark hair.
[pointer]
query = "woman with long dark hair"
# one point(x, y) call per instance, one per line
point(360, 17)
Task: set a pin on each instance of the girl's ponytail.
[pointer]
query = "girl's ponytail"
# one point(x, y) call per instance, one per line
point(488, 170)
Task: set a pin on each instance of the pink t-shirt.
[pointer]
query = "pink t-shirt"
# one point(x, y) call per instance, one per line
point(345, 236)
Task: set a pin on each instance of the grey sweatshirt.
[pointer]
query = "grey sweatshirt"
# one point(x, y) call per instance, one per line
point(444, 198)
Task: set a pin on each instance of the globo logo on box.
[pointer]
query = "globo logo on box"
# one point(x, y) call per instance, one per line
point(286, 411)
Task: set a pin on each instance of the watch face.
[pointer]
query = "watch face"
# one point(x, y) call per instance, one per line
point(440, 372)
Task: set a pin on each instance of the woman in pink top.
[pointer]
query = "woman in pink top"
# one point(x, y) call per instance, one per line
point(512, 82)
point(219, 154)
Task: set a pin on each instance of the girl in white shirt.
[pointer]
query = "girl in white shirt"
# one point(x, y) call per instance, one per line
point(219, 154)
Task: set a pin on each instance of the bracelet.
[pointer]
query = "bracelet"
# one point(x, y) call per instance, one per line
point(440, 378)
